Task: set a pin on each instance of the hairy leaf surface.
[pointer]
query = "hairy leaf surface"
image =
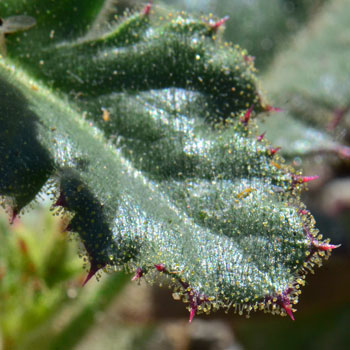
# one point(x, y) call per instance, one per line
point(146, 135)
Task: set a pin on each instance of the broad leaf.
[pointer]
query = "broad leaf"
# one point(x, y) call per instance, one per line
point(145, 134)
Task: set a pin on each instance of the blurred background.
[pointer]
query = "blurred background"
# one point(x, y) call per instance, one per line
point(301, 48)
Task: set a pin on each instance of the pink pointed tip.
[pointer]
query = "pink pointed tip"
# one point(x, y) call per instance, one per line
point(303, 212)
point(260, 137)
point(247, 114)
point(159, 267)
point(138, 274)
point(219, 23)
point(192, 314)
point(304, 179)
point(274, 150)
point(269, 108)
point(327, 247)
point(147, 9)
point(93, 269)
point(288, 309)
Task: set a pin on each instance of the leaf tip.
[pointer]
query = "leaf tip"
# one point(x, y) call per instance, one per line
point(260, 137)
point(216, 25)
point(274, 150)
point(13, 215)
point(288, 309)
point(247, 114)
point(269, 108)
point(304, 179)
point(138, 274)
point(94, 268)
point(61, 201)
point(192, 314)
point(147, 9)
point(326, 246)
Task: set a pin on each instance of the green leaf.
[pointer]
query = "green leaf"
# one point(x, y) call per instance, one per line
point(146, 135)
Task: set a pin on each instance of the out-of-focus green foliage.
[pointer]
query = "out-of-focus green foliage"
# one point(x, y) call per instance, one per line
point(43, 305)
point(310, 80)
point(39, 274)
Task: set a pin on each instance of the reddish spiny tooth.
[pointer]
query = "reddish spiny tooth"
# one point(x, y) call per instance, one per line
point(147, 9)
point(138, 274)
point(93, 269)
point(269, 108)
point(260, 137)
point(247, 114)
point(304, 179)
point(303, 212)
point(274, 150)
point(160, 267)
point(326, 247)
point(192, 313)
point(219, 23)
point(13, 215)
point(248, 58)
point(288, 309)
point(61, 201)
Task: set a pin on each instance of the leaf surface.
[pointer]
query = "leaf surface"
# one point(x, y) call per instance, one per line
point(146, 134)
